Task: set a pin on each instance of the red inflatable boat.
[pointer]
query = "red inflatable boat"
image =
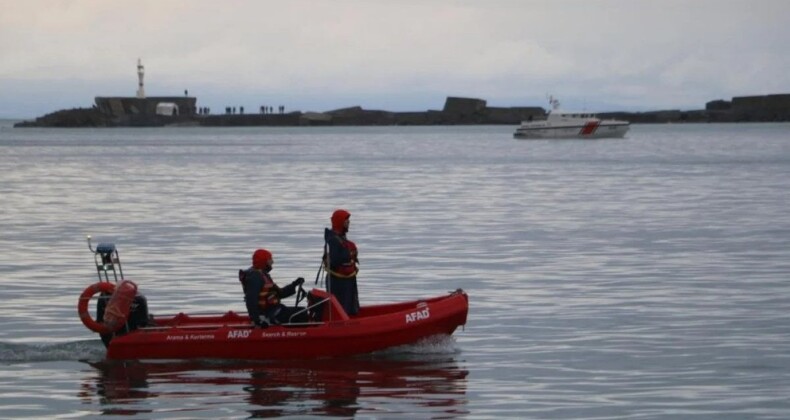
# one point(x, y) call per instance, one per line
point(329, 333)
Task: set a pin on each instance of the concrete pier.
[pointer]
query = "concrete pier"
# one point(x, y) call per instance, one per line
point(133, 111)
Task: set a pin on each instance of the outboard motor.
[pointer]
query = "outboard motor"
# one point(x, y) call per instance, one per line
point(108, 261)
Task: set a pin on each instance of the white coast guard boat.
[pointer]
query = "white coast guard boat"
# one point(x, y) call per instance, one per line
point(571, 125)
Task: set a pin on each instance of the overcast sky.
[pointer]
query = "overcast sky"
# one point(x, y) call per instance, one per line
point(396, 55)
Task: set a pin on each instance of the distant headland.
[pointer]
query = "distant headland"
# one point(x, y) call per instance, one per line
point(183, 110)
point(154, 111)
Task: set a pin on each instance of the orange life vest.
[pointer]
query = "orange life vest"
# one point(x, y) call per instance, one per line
point(269, 294)
point(347, 268)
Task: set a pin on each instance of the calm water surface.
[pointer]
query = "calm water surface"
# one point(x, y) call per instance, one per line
point(640, 278)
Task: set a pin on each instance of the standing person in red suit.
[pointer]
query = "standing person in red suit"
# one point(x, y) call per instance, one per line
point(342, 263)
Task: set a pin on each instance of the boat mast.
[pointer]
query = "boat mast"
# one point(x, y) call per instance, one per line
point(554, 102)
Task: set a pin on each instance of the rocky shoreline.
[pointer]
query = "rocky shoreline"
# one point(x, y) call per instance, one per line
point(135, 112)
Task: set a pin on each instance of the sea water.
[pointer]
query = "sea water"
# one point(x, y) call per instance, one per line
point(645, 277)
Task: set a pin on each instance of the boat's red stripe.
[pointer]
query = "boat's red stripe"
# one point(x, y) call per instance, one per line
point(589, 128)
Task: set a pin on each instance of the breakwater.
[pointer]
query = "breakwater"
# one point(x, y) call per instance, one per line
point(168, 110)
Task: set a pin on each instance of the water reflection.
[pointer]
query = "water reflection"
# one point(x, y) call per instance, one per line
point(336, 387)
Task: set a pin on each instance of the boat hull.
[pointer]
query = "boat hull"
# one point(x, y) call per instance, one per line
point(587, 131)
point(230, 336)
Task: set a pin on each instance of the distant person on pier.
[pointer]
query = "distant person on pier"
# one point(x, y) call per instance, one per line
point(262, 295)
point(341, 262)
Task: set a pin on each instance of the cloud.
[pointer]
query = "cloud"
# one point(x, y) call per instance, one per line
point(660, 54)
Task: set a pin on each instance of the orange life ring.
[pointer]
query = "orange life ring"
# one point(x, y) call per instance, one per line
point(116, 311)
point(120, 304)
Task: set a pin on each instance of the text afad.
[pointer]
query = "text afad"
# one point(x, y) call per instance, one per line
point(239, 333)
point(418, 315)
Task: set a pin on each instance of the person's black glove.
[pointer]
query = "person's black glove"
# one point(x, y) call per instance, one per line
point(298, 282)
point(263, 322)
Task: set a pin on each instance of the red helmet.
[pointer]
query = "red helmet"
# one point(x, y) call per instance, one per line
point(260, 258)
point(339, 218)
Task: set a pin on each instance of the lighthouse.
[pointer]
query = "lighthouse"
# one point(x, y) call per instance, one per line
point(140, 75)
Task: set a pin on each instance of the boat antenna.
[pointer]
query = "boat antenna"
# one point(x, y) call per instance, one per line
point(554, 102)
point(324, 258)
